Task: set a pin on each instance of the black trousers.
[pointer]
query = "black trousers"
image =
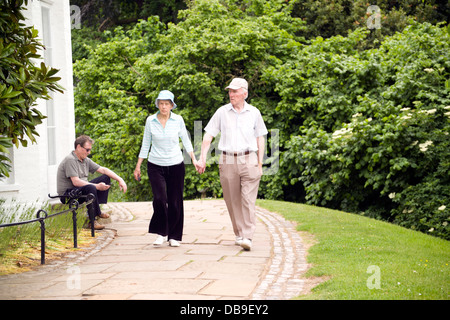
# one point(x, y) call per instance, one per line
point(168, 213)
point(100, 196)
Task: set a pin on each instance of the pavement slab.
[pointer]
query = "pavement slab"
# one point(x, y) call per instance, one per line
point(123, 264)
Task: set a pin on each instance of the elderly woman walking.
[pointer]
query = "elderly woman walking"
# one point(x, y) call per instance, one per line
point(165, 169)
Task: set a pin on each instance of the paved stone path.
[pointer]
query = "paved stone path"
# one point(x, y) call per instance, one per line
point(123, 264)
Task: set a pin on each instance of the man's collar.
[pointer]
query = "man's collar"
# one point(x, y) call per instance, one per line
point(246, 107)
point(75, 156)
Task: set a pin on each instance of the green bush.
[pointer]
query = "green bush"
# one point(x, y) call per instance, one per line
point(377, 139)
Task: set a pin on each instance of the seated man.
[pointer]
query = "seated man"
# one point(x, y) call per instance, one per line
point(73, 174)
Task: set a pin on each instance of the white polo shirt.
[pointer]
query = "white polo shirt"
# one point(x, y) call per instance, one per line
point(238, 130)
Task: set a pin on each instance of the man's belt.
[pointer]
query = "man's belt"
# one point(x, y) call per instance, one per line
point(236, 154)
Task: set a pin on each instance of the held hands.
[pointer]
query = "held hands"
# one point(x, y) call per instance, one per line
point(200, 166)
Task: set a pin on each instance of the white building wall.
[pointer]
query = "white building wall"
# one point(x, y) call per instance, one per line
point(33, 177)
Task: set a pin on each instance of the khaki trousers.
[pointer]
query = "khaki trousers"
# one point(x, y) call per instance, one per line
point(239, 177)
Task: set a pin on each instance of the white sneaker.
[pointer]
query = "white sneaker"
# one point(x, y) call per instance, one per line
point(174, 243)
point(246, 244)
point(160, 240)
point(238, 241)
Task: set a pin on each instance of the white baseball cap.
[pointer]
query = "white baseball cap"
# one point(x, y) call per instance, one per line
point(237, 83)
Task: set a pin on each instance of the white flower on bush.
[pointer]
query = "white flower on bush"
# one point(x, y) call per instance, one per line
point(430, 111)
point(442, 207)
point(341, 132)
point(424, 146)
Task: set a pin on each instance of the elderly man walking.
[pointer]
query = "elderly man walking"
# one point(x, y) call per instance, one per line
point(242, 145)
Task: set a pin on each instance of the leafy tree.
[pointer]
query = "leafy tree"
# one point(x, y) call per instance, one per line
point(374, 136)
point(109, 14)
point(99, 16)
point(21, 81)
point(328, 18)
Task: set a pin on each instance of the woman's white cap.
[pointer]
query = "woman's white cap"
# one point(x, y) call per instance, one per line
point(165, 95)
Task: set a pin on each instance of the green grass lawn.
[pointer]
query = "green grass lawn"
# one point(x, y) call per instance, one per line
point(367, 258)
